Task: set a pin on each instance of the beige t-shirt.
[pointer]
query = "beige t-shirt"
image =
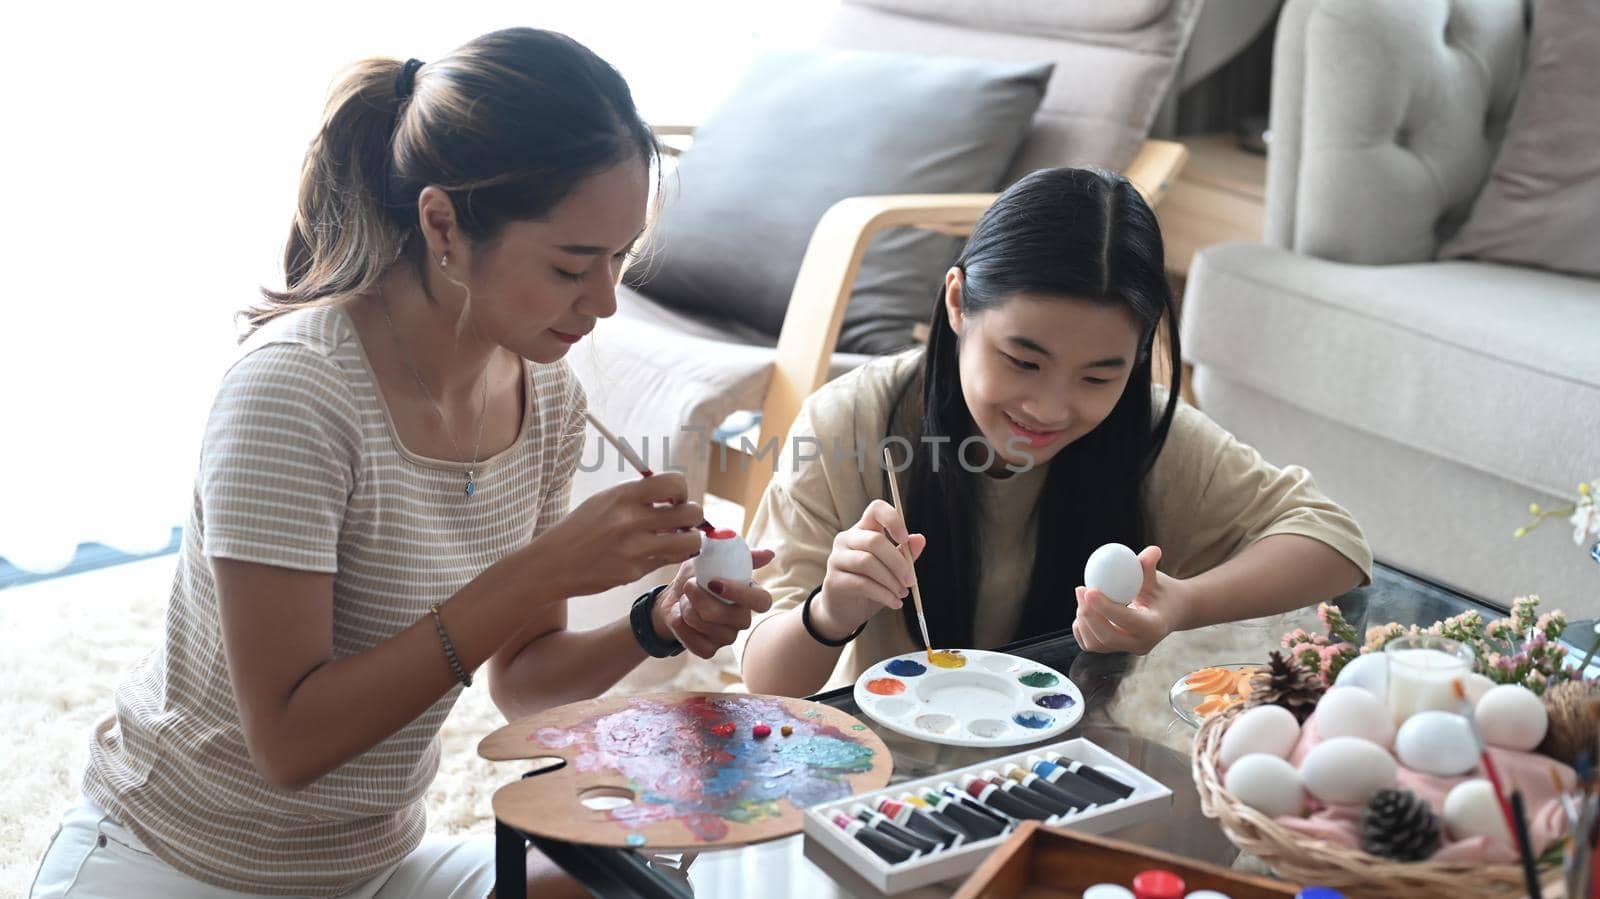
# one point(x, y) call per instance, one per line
point(1207, 497)
point(300, 468)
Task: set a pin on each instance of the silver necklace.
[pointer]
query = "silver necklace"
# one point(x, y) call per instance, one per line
point(483, 401)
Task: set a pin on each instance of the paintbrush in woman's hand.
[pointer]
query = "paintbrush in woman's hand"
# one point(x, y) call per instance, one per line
point(634, 460)
point(916, 594)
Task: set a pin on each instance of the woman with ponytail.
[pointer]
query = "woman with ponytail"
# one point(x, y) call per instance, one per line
point(1028, 434)
point(381, 507)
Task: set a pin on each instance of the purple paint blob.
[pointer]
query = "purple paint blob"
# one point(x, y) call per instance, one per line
point(1054, 701)
point(905, 668)
point(1033, 720)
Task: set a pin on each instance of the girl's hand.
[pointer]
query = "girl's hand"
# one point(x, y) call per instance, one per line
point(1105, 625)
point(618, 536)
point(693, 615)
point(866, 572)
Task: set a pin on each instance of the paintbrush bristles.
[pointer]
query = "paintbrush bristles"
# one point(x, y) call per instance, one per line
point(916, 594)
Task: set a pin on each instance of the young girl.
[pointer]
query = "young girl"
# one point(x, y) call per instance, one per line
point(381, 505)
point(1034, 436)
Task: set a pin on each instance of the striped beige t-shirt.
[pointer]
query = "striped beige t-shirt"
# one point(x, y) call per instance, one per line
point(301, 468)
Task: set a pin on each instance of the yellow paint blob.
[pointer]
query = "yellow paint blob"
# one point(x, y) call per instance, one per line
point(947, 658)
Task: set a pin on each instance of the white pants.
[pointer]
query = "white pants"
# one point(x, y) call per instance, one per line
point(94, 857)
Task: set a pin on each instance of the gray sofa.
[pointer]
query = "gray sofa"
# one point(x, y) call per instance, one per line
point(1435, 399)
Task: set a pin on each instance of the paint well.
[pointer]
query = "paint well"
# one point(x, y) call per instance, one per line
point(947, 658)
point(906, 668)
point(886, 686)
point(935, 723)
point(987, 728)
point(1054, 701)
point(1039, 679)
point(1033, 720)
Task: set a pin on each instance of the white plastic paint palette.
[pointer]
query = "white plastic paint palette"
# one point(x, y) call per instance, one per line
point(991, 699)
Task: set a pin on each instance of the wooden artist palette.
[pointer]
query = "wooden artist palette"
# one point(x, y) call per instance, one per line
point(975, 698)
point(682, 770)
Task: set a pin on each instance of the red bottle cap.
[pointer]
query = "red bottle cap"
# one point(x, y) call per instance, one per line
point(975, 787)
point(1158, 884)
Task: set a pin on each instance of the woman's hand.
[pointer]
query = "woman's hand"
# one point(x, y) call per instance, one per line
point(866, 572)
point(1105, 625)
point(693, 615)
point(618, 536)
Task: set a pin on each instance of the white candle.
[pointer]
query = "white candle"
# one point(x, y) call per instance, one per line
point(1422, 674)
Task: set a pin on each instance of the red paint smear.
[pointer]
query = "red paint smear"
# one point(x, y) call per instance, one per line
point(721, 534)
point(886, 686)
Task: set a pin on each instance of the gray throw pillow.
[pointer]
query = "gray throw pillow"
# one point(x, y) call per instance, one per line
point(1541, 205)
point(806, 129)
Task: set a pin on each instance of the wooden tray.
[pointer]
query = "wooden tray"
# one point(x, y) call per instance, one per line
point(1053, 863)
point(682, 770)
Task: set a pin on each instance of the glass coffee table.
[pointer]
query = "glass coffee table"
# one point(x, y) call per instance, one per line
point(1149, 736)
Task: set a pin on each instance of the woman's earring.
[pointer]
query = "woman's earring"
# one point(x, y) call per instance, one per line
point(444, 260)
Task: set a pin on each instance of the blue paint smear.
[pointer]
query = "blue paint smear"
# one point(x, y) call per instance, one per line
point(1033, 720)
point(905, 668)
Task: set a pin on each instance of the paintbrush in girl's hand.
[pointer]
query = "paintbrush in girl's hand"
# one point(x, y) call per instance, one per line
point(916, 594)
point(633, 459)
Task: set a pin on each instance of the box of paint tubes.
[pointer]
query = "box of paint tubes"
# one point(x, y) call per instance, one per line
point(925, 831)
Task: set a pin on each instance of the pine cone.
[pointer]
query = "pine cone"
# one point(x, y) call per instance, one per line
point(1398, 825)
point(1287, 683)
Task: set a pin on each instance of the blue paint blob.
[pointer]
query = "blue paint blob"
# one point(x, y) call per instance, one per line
point(905, 668)
point(635, 839)
point(1054, 701)
point(1033, 720)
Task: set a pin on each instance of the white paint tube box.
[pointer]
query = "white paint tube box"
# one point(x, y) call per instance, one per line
point(1148, 799)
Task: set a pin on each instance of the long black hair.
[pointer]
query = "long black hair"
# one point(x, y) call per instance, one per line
point(1071, 233)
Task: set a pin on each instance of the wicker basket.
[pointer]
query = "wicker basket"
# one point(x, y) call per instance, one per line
point(1303, 860)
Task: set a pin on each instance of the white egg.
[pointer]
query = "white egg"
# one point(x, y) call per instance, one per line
point(1267, 784)
point(1347, 770)
point(1470, 810)
point(1353, 712)
point(724, 558)
point(1477, 685)
point(1511, 716)
point(1114, 570)
point(1435, 742)
point(1369, 672)
point(1271, 729)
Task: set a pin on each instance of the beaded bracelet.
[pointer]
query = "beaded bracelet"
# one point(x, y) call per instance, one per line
point(449, 650)
point(805, 619)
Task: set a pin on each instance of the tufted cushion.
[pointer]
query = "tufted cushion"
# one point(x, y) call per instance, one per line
point(1541, 206)
point(1385, 119)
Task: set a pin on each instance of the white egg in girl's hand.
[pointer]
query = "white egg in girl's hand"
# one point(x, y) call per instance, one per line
point(1114, 570)
point(1471, 810)
point(1267, 784)
point(1512, 716)
point(724, 556)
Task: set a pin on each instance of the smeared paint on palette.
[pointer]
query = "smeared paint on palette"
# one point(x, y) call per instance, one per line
point(974, 697)
point(1038, 679)
point(886, 686)
point(704, 769)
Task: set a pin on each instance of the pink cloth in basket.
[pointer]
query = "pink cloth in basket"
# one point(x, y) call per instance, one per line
point(1527, 771)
